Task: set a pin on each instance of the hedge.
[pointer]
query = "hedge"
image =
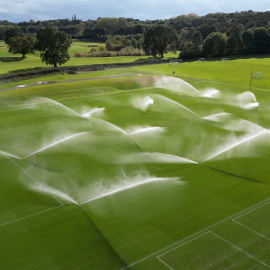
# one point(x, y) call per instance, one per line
point(48, 71)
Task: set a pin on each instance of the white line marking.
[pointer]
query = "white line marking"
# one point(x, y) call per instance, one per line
point(238, 248)
point(165, 263)
point(241, 250)
point(234, 220)
point(190, 236)
point(183, 244)
point(30, 215)
point(251, 230)
point(33, 179)
point(252, 210)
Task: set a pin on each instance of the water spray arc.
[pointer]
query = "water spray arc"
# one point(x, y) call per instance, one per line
point(177, 104)
point(177, 85)
point(8, 154)
point(236, 144)
point(127, 185)
point(57, 142)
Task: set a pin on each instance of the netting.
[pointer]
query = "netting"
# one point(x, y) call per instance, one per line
point(257, 75)
point(201, 59)
point(175, 62)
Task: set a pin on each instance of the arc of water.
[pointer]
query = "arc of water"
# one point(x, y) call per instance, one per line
point(93, 111)
point(154, 179)
point(215, 115)
point(8, 154)
point(47, 189)
point(178, 104)
point(170, 158)
point(236, 144)
point(166, 82)
point(155, 157)
point(146, 129)
point(57, 142)
point(58, 104)
point(112, 125)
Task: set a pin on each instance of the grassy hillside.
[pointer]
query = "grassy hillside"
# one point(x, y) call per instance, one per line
point(137, 172)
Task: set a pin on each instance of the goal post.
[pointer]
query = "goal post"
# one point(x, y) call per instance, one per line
point(224, 59)
point(257, 75)
point(175, 62)
point(201, 59)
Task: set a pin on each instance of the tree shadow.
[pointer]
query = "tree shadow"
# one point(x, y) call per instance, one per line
point(230, 57)
point(11, 59)
point(148, 58)
point(24, 70)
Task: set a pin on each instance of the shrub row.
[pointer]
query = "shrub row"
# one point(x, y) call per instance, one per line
point(110, 54)
point(49, 71)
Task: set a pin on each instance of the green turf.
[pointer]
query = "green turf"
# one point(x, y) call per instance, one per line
point(142, 204)
point(14, 63)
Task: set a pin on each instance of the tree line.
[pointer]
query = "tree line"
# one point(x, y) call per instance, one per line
point(215, 34)
point(52, 44)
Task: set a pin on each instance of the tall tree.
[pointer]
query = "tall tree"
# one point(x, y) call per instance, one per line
point(107, 23)
point(158, 38)
point(122, 22)
point(21, 45)
point(262, 40)
point(205, 30)
point(248, 41)
point(232, 43)
point(13, 32)
point(214, 44)
point(53, 46)
point(197, 39)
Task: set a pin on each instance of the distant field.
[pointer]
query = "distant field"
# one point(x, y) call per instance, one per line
point(13, 63)
point(137, 172)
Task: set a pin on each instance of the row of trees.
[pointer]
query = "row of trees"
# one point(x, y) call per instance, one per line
point(251, 41)
point(52, 44)
point(213, 22)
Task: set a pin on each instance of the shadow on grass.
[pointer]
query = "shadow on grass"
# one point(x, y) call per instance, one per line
point(24, 70)
point(147, 58)
point(11, 59)
point(230, 57)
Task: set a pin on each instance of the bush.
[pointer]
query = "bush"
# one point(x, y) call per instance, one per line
point(118, 47)
point(78, 55)
point(94, 49)
point(93, 54)
point(102, 48)
point(191, 53)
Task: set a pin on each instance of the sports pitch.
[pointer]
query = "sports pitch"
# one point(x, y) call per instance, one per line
point(161, 174)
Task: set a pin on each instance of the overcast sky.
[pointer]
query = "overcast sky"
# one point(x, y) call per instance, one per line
point(24, 10)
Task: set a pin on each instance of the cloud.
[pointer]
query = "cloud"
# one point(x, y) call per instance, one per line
point(19, 10)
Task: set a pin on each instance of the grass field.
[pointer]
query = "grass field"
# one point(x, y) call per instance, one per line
point(14, 63)
point(137, 172)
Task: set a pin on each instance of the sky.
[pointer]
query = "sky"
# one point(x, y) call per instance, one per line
point(24, 10)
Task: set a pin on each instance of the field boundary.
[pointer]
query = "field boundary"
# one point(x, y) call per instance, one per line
point(33, 179)
point(199, 232)
point(4, 78)
point(234, 220)
point(236, 247)
point(61, 204)
point(3, 224)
